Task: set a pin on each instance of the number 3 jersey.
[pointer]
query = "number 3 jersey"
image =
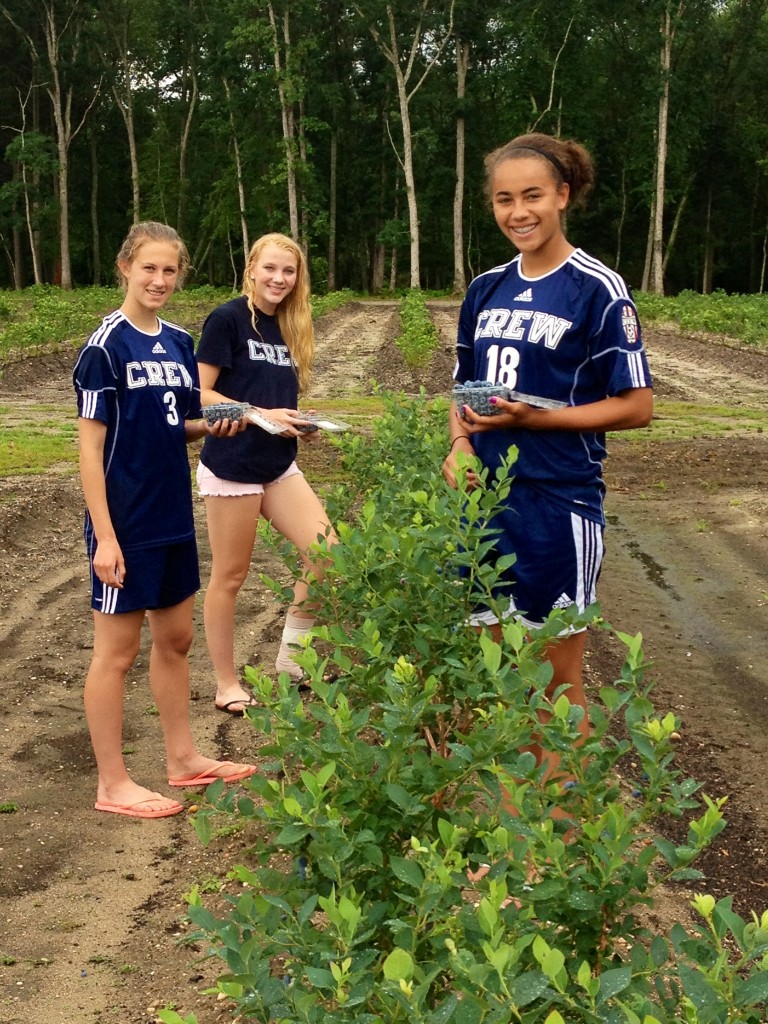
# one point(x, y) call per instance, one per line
point(571, 335)
point(143, 386)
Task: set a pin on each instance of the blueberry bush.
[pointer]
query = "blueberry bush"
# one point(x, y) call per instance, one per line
point(406, 769)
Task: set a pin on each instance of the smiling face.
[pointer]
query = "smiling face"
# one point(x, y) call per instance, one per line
point(150, 279)
point(273, 275)
point(528, 203)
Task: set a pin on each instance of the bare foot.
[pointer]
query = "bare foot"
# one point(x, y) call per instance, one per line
point(233, 699)
point(134, 801)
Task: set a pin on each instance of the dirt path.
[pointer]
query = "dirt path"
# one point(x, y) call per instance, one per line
point(91, 906)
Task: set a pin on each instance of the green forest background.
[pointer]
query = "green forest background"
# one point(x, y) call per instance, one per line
point(230, 119)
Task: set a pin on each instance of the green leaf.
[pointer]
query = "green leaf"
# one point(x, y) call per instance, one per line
point(613, 982)
point(659, 951)
point(447, 831)
point(291, 834)
point(319, 977)
point(399, 964)
point(753, 990)
point(443, 1013)
point(698, 989)
point(529, 986)
point(292, 806)
point(582, 899)
point(470, 1010)
point(407, 871)
point(399, 796)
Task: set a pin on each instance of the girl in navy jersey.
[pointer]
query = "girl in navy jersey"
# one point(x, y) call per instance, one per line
point(138, 401)
point(557, 324)
point(258, 349)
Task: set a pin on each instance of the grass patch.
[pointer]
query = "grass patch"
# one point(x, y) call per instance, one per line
point(683, 420)
point(36, 446)
point(676, 421)
point(739, 317)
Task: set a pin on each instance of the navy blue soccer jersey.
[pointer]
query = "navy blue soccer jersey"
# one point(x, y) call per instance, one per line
point(571, 335)
point(255, 367)
point(143, 386)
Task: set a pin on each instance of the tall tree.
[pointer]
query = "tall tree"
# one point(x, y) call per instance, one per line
point(409, 46)
point(61, 46)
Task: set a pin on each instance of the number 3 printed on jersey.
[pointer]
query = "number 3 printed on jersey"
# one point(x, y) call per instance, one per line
point(172, 415)
point(502, 365)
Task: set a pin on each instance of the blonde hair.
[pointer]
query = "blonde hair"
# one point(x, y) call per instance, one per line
point(151, 231)
point(294, 313)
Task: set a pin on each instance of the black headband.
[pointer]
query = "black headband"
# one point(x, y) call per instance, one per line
point(547, 156)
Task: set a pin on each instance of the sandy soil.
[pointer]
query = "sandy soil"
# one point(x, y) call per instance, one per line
point(91, 906)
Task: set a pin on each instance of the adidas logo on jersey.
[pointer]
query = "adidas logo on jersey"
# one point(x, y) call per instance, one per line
point(158, 349)
point(526, 296)
point(563, 602)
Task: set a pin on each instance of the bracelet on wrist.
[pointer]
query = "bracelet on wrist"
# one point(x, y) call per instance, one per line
point(459, 437)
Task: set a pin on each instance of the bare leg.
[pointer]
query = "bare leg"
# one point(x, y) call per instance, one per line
point(232, 525)
point(566, 656)
point(115, 645)
point(169, 677)
point(296, 512)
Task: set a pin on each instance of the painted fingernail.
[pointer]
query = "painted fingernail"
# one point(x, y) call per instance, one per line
point(492, 399)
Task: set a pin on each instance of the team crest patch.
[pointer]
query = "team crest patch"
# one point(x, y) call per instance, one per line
point(630, 325)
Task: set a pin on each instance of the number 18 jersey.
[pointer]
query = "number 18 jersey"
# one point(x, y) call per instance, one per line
point(143, 386)
point(571, 335)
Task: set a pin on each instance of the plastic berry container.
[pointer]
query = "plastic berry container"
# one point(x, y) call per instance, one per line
point(224, 411)
point(477, 395)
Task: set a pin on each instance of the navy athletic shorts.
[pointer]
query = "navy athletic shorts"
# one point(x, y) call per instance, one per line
point(159, 577)
point(558, 557)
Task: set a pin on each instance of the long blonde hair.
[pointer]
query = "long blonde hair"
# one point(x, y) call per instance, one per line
point(294, 313)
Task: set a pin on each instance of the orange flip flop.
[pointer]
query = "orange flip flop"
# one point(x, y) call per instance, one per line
point(205, 778)
point(135, 810)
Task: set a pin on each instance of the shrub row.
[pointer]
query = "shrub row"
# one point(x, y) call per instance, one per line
point(407, 767)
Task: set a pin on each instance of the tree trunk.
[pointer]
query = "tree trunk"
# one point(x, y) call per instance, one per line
point(410, 181)
point(622, 218)
point(657, 258)
point(331, 284)
point(238, 172)
point(391, 50)
point(29, 206)
point(709, 248)
point(61, 101)
point(462, 65)
point(300, 190)
point(125, 106)
point(646, 284)
point(676, 223)
point(95, 233)
point(286, 113)
point(184, 143)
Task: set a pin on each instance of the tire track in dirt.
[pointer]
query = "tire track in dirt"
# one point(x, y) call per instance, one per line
point(347, 343)
point(708, 372)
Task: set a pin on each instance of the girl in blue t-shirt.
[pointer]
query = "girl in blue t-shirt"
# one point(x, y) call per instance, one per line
point(258, 349)
point(557, 324)
point(138, 399)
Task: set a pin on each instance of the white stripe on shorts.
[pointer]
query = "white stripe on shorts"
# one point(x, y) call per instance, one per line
point(108, 599)
point(588, 544)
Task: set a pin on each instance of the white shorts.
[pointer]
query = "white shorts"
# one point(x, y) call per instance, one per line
point(210, 486)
